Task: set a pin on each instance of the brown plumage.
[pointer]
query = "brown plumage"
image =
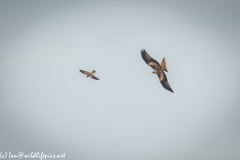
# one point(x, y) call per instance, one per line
point(89, 74)
point(157, 69)
point(163, 65)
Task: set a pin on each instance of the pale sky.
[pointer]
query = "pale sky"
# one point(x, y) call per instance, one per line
point(48, 106)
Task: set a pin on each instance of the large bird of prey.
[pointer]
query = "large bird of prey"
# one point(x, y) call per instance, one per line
point(157, 69)
point(89, 74)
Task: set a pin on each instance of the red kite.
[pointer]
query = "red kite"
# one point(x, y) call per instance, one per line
point(157, 69)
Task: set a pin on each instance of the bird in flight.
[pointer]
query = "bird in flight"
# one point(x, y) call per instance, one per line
point(157, 69)
point(89, 74)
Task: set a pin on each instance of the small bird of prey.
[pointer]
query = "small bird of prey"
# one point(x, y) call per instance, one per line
point(89, 74)
point(157, 69)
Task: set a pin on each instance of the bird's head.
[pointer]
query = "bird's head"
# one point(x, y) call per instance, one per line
point(143, 51)
point(93, 71)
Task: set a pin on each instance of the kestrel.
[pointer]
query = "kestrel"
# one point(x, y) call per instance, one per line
point(89, 74)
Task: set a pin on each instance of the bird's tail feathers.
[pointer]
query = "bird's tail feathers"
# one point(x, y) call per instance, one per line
point(164, 65)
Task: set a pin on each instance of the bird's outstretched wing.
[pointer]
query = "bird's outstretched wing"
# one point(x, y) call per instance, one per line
point(147, 58)
point(154, 65)
point(93, 77)
point(163, 65)
point(84, 72)
point(164, 82)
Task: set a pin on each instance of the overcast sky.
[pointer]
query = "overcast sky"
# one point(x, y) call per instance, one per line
point(48, 106)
